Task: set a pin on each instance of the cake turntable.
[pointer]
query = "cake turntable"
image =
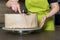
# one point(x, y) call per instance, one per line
point(22, 30)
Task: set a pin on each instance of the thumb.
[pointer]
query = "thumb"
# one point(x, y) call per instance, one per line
point(41, 24)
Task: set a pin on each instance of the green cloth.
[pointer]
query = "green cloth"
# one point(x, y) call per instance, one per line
point(41, 7)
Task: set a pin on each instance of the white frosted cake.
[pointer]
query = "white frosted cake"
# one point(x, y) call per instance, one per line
point(20, 21)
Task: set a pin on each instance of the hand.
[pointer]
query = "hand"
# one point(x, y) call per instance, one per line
point(14, 5)
point(42, 22)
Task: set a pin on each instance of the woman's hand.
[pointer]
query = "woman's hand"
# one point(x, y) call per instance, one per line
point(42, 22)
point(54, 10)
point(14, 5)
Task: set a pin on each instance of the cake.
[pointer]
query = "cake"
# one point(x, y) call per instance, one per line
point(20, 21)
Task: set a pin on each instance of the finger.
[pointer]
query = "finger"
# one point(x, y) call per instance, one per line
point(41, 24)
point(19, 9)
point(14, 9)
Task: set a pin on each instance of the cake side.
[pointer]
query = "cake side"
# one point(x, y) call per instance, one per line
point(20, 21)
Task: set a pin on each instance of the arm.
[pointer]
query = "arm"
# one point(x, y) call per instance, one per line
point(54, 10)
point(14, 5)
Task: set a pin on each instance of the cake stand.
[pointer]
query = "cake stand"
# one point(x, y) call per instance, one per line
point(22, 30)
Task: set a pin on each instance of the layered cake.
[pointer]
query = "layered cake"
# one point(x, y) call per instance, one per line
point(20, 21)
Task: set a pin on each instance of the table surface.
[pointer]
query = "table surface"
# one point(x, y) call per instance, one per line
point(44, 35)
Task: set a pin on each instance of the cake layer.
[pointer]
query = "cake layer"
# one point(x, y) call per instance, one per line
point(20, 21)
